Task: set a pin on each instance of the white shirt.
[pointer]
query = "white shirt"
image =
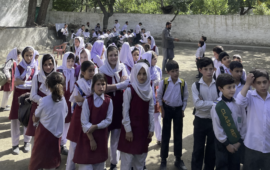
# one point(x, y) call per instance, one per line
point(199, 52)
point(8, 67)
point(64, 31)
point(227, 70)
point(126, 106)
point(33, 94)
point(86, 34)
point(208, 94)
point(117, 26)
point(27, 84)
point(98, 101)
point(124, 27)
point(217, 63)
point(79, 32)
point(239, 117)
point(258, 120)
point(76, 92)
point(97, 60)
point(172, 96)
point(52, 117)
point(204, 47)
point(94, 35)
point(138, 29)
point(73, 35)
point(124, 37)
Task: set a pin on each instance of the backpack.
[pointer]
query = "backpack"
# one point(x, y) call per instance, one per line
point(182, 86)
point(59, 33)
point(222, 71)
point(198, 88)
point(24, 111)
point(3, 77)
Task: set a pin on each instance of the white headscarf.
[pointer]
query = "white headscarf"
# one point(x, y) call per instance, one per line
point(69, 73)
point(141, 49)
point(143, 90)
point(97, 49)
point(36, 53)
point(28, 67)
point(131, 59)
point(153, 42)
point(42, 76)
point(85, 86)
point(81, 46)
point(153, 70)
point(88, 58)
point(12, 55)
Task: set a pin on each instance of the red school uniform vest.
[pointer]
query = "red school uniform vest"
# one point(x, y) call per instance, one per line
point(139, 122)
point(117, 105)
point(83, 153)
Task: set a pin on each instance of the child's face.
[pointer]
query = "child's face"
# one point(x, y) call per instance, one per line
point(199, 45)
point(89, 73)
point(83, 57)
point(236, 59)
point(36, 57)
point(136, 56)
point(77, 42)
point(154, 60)
point(28, 56)
point(201, 39)
point(100, 87)
point(215, 55)
point(18, 58)
point(149, 41)
point(48, 66)
point(89, 47)
point(261, 84)
point(228, 90)
point(207, 71)
point(142, 76)
point(226, 61)
point(70, 63)
point(237, 73)
point(113, 57)
point(174, 73)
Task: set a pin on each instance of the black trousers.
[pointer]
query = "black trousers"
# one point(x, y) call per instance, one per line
point(226, 160)
point(64, 37)
point(137, 38)
point(255, 160)
point(176, 115)
point(203, 132)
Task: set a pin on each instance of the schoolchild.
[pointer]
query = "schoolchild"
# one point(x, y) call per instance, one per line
point(152, 43)
point(199, 55)
point(97, 53)
point(238, 58)
point(216, 51)
point(225, 60)
point(126, 58)
point(79, 45)
point(203, 38)
point(236, 70)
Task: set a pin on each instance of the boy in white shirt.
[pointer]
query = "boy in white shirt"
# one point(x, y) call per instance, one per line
point(199, 55)
point(172, 97)
point(204, 93)
point(122, 37)
point(225, 64)
point(257, 139)
point(236, 70)
point(203, 38)
point(229, 124)
point(238, 58)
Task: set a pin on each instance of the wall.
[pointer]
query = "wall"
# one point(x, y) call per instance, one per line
point(231, 29)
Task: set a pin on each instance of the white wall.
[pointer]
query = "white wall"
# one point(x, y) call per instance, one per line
point(231, 29)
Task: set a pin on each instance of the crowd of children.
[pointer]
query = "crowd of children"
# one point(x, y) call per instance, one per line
point(118, 95)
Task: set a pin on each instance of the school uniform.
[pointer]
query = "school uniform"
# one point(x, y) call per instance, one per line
point(153, 45)
point(125, 36)
point(96, 53)
point(257, 151)
point(80, 47)
point(65, 34)
point(117, 26)
point(9, 70)
point(140, 123)
point(225, 159)
point(79, 32)
point(204, 48)
point(125, 27)
point(126, 58)
point(46, 150)
point(83, 88)
point(96, 110)
point(113, 77)
point(227, 71)
point(203, 126)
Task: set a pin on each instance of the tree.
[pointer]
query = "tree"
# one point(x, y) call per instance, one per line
point(209, 7)
point(106, 7)
point(180, 6)
point(31, 13)
point(243, 5)
point(43, 12)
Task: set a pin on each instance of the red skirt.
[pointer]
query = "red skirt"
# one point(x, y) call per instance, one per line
point(67, 97)
point(15, 103)
point(46, 150)
point(31, 128)
point(75, 125)
point(6, 87)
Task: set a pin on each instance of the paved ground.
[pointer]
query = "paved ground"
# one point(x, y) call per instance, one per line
point(186, 59)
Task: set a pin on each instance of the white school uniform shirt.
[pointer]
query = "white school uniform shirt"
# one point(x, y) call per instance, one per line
point(204, 47)
point(86, 34)
point(124, 37)
point(127, 96)
point(27, 84)
point(117, 26)
point(217, 63)
point(98, 101)
point(76, 92)
point(172, 96)
point(79, 32)
point(64, 31)
point(239, 118)
point(124, 27)
point(33, 94)
point(73, 35)
point(52, 117)
point(258, 120)
point(138, 29)
point(227, 70)
point(209, 95)
point(199, 52)
point(98, 60)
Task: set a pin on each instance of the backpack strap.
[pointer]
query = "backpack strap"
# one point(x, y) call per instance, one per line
point(80, 90)
point(222, 69)
point(165, 85)
point(198, 88)
point(182, 86)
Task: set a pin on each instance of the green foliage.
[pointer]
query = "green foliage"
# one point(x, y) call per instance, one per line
point(73, 5)
point(261, 9)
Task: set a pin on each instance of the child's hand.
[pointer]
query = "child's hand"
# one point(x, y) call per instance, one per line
point(79, 98)
point(150, 135)
point(92, 129)
point(129, 136)
point(34, 118)
point(9, 80)
point(230, 148)
point(93, 145)
point(250, 79)
point(237, 145)
point(123, 78)
point(183, 113)
point(162, 112)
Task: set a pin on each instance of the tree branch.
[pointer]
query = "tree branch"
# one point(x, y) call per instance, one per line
point(175, 15)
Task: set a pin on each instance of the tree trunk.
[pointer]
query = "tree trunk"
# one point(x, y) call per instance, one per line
point(243, 11)
point(175, 15)
point(105, 20)
point(31, 13)
point(43, 12)
point(162, 4)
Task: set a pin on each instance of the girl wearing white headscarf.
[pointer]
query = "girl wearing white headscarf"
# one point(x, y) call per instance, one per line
point(138, 121)
point(96, 53)
point(69, 74)
point(79, 45)
point(39, 89)
point(117, 81)
point(141, 49)
point(156, 76)
point(152, 43)
point(9, 70)
point(126, 57)
point(24, 74)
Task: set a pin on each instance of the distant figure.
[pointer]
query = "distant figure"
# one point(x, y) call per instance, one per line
point(80, 31)
point(65, 33)
point(138, 33)
point(117, 26)
point(97, 28)
point(167, 45)
point(88, 26)
point(125, 26)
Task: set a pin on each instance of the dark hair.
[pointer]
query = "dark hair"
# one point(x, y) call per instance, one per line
point(168, 23)
point(124, 31)
point(135, 49)
point(224, 79)
point(86, 30)
point(204, 38)
point(72, 31)
point(201, 43)
point(131, 30)
point(55, 82)
point(260, 73)
point(146, 47)
point(65, 24)
point(18, 51)
point(119, 45)
point(222, 55)
point(88, 44)
point(144, 61)
point(218, 49)
point(82, 26)
point(27, 49)
point(71, 56)
point(85, 65)
point(204, 62)
point(126, 22)
point(140, 23)
point(76, 60)
point(98, 77)
point(98, 24)
point(116, 20)
point(108, 30)
point(171, 64)
point(47, 57)
point(235, 64)
point(111, 48)
point(143, 29)
point(149, 38)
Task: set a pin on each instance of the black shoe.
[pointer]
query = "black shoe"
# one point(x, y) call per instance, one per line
point(179, 164)
point(15, 150)
point(64, 150)
point(26, 147)
point(7, 106)
point(4, 109)
point(113, 167)
point(163, 164)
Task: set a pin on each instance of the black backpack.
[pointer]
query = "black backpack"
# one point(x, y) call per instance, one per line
point(59, 33)
point(24, 109)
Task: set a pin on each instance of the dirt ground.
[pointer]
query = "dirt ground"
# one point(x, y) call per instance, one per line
point(186, 59)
